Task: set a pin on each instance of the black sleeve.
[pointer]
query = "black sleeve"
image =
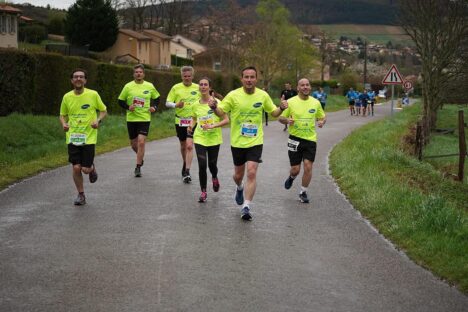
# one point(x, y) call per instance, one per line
point(154, 103)
point(123, 104)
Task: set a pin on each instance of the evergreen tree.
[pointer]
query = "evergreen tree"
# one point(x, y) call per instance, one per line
point(92, 22)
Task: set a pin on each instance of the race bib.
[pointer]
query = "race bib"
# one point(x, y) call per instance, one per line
point(185, 122)
point(249, 130)
point(78, 138)
point(206, 120)
point(292, 145)
point(138, 102)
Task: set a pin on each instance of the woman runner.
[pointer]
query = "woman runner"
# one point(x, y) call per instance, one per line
point(207, 137)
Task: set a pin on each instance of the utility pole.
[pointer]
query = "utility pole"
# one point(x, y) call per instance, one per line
point(365, 63)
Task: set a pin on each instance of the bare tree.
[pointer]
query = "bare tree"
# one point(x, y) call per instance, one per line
point(137, 12)
point(325, 52)
point(438, 28)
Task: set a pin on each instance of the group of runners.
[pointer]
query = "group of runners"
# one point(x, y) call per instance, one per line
point(361, 103)
point(199, 116)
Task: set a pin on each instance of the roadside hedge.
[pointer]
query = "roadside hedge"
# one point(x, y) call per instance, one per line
point(35, 83)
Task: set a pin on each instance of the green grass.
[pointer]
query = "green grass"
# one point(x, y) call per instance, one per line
point(380, 34)
point(443, 144)
point(336, 103)
point(31, 144)
point(407, 200)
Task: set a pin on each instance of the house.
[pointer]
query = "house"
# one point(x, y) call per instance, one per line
point(185, 48)
point(218, 59)
point(133, 44)
point(148, 47)
point(160, 48)
point(9, 26)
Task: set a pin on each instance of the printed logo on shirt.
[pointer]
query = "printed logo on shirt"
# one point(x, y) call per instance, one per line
point(257, 105)
point(210, 111)
point(85, 106)
point(145, 92)
point(193, 92)
point(312, 110)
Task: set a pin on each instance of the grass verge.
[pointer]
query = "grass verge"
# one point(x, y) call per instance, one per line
point(336, 103)
point(31, 144)
point(406, 200)
point(444, 144)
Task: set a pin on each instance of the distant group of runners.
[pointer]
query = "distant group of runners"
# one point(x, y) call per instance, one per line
point(199, 116)
point(361, 103)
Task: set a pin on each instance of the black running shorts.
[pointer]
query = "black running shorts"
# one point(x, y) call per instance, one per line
point(300, 149)
point(81, 154)
point(241, 155)
point(136, 128)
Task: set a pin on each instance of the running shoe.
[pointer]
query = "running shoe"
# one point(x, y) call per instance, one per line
point(93, 175)
point(245, 214)
point(187, 178)
point(137, 172)
point(215, 184)
point(303, 197)
point(79, 200)
point(288, 183)
point(239, 196)
point(202, 197)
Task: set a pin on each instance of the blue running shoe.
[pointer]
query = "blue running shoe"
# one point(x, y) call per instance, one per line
point(239, 196)
point(245, 214)
point(288, 183)
point(303, 197)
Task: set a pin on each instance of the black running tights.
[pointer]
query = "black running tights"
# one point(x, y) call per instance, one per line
point(202, 152)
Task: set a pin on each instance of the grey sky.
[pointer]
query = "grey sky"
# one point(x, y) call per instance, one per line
point(58, 4)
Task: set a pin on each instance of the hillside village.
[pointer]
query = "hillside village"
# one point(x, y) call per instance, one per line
point(162, 51)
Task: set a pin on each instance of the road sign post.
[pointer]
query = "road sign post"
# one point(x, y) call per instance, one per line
point(392, 77)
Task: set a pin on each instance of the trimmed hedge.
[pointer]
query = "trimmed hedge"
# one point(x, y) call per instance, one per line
point(35, 83)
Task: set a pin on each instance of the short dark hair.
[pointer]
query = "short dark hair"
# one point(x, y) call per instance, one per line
point(249, 68)
point(139, 66)
point(79, 70)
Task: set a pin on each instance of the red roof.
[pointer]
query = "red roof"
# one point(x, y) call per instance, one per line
point(9, 9)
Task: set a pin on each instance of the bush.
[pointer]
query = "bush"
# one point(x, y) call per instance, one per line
point(32, 33)
point(36, 82)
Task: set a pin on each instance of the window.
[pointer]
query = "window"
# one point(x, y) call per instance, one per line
point(8, 23)
point(13, 24)
point(3, 23)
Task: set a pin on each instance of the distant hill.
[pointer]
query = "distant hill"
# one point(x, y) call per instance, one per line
point(39, 14)
point(381, 12)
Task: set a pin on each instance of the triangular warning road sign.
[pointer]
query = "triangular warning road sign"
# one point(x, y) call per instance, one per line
point(393, 76)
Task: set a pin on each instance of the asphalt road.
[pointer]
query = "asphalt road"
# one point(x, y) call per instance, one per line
point(146, 244)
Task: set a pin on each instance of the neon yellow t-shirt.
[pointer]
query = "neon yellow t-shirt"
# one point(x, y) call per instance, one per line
point(205, 115)
point(189, 95)
point(139, 94)
point(81, 112)
point(304, 113)
point(246, 116)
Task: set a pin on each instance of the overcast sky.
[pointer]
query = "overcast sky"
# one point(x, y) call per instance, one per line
point(59, 4)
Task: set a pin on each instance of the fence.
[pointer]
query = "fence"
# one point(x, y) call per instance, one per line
point(462, 154)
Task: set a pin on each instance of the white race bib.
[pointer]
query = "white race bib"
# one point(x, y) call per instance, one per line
point(138, 101)
point(78, 138)
point(185, 122)
point(206, 120)
point(292, 145)
point(249, 130)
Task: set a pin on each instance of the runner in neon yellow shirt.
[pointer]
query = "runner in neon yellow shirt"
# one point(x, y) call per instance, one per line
point(301, 114)
point(80, 122)
point(246, 106)
point(182, 96)
point(140, 98)
point(207, 137)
